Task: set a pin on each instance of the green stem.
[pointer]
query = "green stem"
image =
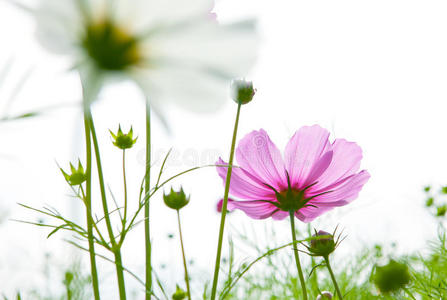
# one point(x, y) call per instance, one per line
point(125, 189)
point(183, 255)
point(314, 277)
point(147, 180)
point(88, 202)
point(89, 215)
point(116, 248)
point(409, 293)
point(326, 259)
point(224, 206)
point(101, 179)
point(67, 286)
point(297, 258)
point(120, 274)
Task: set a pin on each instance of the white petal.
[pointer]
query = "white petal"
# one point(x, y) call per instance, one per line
point(227, 50)
point(191, 89)
point(58, 23)
point(144, 15)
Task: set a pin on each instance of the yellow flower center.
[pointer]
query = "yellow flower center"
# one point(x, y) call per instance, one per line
point(111, 47)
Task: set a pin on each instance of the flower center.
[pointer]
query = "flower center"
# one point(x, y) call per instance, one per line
point(291, 199)
point(110, 47)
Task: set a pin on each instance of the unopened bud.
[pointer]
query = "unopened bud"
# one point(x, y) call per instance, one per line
point(121, 140)
point(77, 176)
point(325, 295)
point(322, 244)
point(242, 91)
point(391, 277)
point(179, 294)
point(176, 200)
point(441, 210)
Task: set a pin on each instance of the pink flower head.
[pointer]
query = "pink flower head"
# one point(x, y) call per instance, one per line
point(313, 177)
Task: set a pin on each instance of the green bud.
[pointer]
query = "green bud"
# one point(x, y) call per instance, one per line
point(441, 210)
point(427, 189)
point(322, 244)
point(121, 140)
point(444, 190)
point(68, 278)
point(77, 176)
point(429, 202)
point(176, 200)
point(242, 91)
point(391, 277)
point(179, 294)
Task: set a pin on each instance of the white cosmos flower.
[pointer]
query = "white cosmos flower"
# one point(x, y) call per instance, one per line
point(173, 49)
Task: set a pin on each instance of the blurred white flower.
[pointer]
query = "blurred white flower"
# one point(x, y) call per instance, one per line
point(174, 50)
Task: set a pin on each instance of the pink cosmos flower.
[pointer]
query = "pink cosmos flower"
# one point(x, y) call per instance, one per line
point(313, 177)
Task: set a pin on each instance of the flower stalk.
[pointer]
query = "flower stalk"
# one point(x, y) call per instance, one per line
point(88, 204)
point(147, 183)
point(125, 189)
point(116, 248)
point(328, 265)
point(224, 205)
point(188, 290)
point(297, 258)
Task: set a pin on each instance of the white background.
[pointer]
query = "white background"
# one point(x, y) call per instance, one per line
point(373, 72)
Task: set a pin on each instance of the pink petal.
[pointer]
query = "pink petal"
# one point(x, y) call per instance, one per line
point(345, 162)
point(243, 185)
point(319, 168)
point(220, 204)
point(342, 193)
point(253, 209)
point(257, 154)
point(305, 149)
point(280, 215)
point(309, 213)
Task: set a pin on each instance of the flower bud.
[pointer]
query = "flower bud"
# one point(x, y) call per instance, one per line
point(391, 277)
point(179, 294)
point(322, 244)
point(444, 190)
point(441, 210)
point(429, 202)
point(121, 140)
point(77, 176)
point(176, 200)
point(325, 295)
point(242, 91)
point(68, 278)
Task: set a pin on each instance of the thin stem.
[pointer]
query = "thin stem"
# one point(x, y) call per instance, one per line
point(224, 206)
point(103, 241)
point(116, 248)
point(101, 178)
point(326, 259)
point(125, 189)
point(183, 255)
point(88, 204)
point(68, 290)
point(112, 261)
point(120, 274)
point(409, 293)
point(314, 275)
point(147, 183)
point(297, 258)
